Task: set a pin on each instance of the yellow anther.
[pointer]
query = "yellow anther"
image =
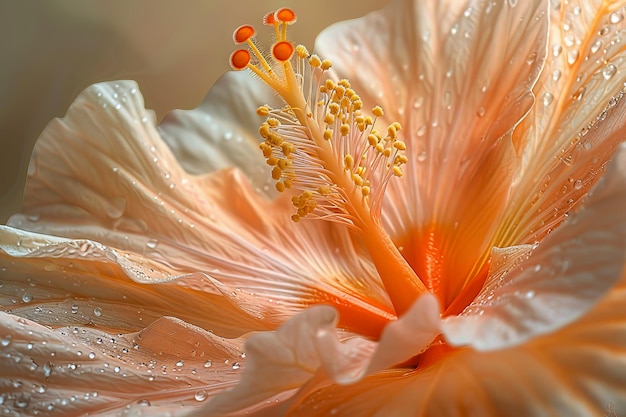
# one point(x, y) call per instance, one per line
point(360, 170)
point(397, 126)
point(295, 218)
point(266, 149)
point(273, 122)
point(282, 164)
point(326, 64)
point(397, 171)
point(348, 161)
point(287, 148)
point(302, 51)
point(380, 148)
point(280, 187)
point(288, 183)
point(344, 129)
point(329, 119)
point(272, 161)
point(399, 145)
point(264, 130)
point(329, 84)
point(307, 194)
point(344, 83)
point(263, 111)
point(358, 180)
point(324, 190)
point(359, 119)
point(387, 152)
point(365, 190)
point(391, 131)
point(333, 108)
point(339, 91)
point(372, 140)
point(377, 111)
point(277, 173)
point(328, 134)
point(369, 121)
point(315, 61)
point(401, 159)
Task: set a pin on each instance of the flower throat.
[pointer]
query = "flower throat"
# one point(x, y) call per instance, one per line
point(324, 150)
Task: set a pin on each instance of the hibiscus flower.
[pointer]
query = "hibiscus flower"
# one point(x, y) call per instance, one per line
point(458, 250)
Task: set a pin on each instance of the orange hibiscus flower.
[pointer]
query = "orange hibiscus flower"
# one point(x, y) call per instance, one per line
point(460, 252)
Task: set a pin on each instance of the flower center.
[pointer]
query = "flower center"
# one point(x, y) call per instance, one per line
point(326, 151)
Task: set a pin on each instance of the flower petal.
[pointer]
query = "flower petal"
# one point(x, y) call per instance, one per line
point(307, 352)
point(104, 174)
point(581, 84)
point(467, 68)
point(80, 370)
point(61, 282)
point(578, 371)
point(565, 275)
point(223, 131)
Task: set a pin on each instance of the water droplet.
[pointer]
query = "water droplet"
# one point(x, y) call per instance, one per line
point(578, 184)
point(603, 31)
point(547, 98)
point(609, 71)
point(92, 355)
point(75, 309)
point(97, 312)
point(529, 294)
point(616, 17)
point(596, 46)
point(6, 340)
point(144, 403)
point(208, 364)
point(480, 112)
point(27, 297)
point(180, 363)
point(421, 157)
point(152, 243)
point(116, 208)
point(200, 395)
point(421, 131)
point(236, 365)
point(569, 40)
point(556, 50)
point(572, 56)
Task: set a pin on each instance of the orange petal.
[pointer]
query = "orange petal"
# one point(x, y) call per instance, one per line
point(579, 370)
point(62, 282)
point(80, 370)
point(561, 157)
point(569, 271)
point(458, 77)
point(105, 175)
point(307, 353)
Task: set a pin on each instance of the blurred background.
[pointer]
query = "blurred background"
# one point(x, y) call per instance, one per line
point(175, 49)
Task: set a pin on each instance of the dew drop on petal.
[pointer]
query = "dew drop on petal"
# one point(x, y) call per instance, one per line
point(152, 243)
point(578, 184)
point(200, 395)
point(144, 403)
point(547, 98)
point(180, 363)
point(208, 364)
point(617, 17)
point(97, 312)
point(609, 71)
point(27, 297)
point(6, 340)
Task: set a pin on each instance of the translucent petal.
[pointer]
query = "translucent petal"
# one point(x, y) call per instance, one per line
point(223, 131)
point(578, 371)
point(562, 154)
point(458, 77)
point(307, 352)
point(78, 370)
point(103, 174)
point(569, 271)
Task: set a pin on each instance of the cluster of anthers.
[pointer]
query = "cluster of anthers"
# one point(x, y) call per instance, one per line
point(320, 143)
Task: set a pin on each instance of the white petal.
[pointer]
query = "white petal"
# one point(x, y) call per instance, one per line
point(566, 274)
point(308, 353)
point(223, 131)
point(81, 370)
